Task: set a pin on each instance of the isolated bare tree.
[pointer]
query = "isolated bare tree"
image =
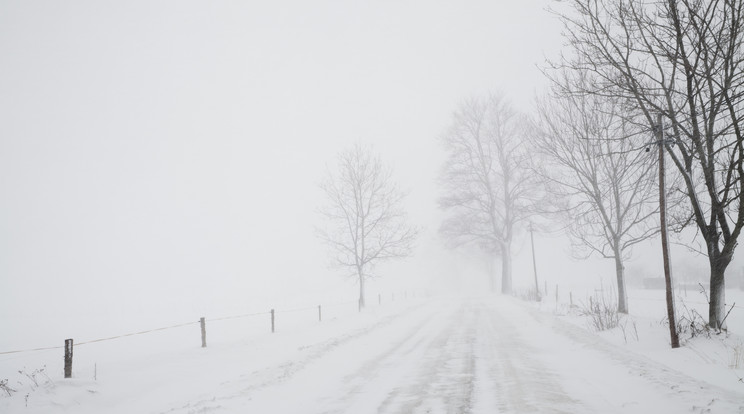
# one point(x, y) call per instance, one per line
point(601, 180)
point(485, 179)
point(365, 221)
point(682, 59)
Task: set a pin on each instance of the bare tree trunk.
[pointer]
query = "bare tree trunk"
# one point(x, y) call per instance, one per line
point(622, 295)
point(361, 291)
point(717, 308)
point(506, 269)
point(534, 265)
point(491, 274)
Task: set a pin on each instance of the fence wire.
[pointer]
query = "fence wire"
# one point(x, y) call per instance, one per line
point(135, 333)
point(223, 318)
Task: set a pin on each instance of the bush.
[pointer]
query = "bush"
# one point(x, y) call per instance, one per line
point(601, 312)
point(690, 324)
point(4, 386)
point(626, 331)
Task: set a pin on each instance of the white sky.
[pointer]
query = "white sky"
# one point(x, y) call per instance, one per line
point(170, 151)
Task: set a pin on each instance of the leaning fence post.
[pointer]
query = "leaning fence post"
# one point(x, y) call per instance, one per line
point(203, 323)
point(320, 315)
point(68, 358)
point(272, 321)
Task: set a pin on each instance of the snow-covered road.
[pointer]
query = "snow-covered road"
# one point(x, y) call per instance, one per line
point(487, 355)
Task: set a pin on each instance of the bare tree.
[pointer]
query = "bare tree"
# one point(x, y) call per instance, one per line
point(602, 181)
point(485, 178)
point(682, 59)
point(365, 220)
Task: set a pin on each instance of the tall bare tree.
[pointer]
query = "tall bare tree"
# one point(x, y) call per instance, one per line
point(601, 180)
point(682, 59)
point(365, 219)
point(485, 178)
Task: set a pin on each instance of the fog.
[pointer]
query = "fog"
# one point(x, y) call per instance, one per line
point(165, 157)
point(169, 153)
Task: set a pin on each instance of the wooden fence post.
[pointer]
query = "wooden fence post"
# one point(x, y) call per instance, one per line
point(272, 321)
point(570, 298)
point(203, 324)
point(68, 358)
point(320, 315)
point(379, 299)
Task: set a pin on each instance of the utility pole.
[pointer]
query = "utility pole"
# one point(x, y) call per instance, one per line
point(659, 127)
point(534, 265)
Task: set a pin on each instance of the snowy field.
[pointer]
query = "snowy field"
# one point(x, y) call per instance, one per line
point(440, 355)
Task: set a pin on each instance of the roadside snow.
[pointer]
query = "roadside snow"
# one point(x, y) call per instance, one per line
point(445, 355)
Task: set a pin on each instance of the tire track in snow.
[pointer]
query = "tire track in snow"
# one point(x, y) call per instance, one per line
point(445, 382)
point(469, 359)
point(511, 379)
point(431, 371)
